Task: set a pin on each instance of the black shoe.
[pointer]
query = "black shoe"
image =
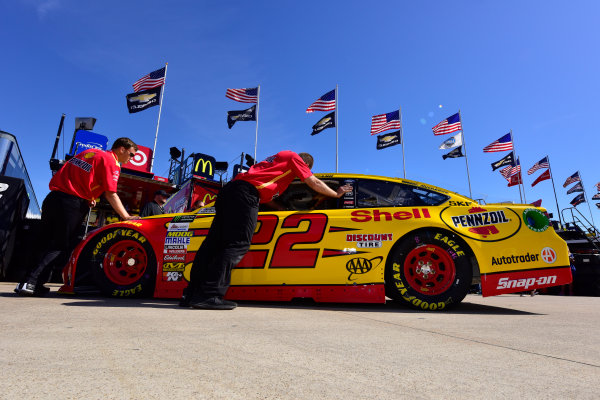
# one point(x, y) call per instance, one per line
point(185, 298)
point(25, 289)
point(214, 303)
point(41, 290)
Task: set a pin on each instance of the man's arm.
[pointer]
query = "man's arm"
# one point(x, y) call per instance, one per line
point(320, 187)
point(116, 204)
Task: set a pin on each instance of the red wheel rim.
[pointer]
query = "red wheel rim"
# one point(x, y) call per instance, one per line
point(429, 269)
point(125, 262)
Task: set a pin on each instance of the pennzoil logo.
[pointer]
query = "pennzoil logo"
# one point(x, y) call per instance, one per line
point(482, 224)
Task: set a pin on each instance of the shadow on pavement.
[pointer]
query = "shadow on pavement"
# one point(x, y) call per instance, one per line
point(95, 300)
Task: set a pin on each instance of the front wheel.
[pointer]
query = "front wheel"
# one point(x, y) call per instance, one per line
point(123, 263)
point(429, 270)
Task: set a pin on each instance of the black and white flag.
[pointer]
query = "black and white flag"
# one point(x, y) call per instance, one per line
point(139, 101)
point(455, 153)
point(388, 139)
point(241, 115)
point(327, 121)
point(508, 159)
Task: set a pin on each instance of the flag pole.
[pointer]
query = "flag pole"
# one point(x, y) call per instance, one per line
point(256, 135)
point(336, 127)
point(162, 92)
point(554, 188)
point(523, 197)
point(586, 200)
point(465, 148)
point(402, 142)
point(520, 179)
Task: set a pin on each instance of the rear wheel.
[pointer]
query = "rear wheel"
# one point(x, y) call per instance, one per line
point(123, 263)
point(429, 270)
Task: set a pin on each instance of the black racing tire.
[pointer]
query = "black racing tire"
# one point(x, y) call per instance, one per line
point(429, 270)
point(123, 263)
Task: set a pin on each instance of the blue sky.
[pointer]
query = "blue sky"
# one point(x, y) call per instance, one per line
point(527, 66)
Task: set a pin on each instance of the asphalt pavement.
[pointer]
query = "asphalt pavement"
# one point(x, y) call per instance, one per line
point(505, 347)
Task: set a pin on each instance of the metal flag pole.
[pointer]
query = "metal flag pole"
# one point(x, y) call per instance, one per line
point(402, 142)
point(554, 188)
point(464, 144)
point(256, 135)
point(523, 197)
point(336, 128)
point(162, 92)
point(586, 200)
point(521, 180)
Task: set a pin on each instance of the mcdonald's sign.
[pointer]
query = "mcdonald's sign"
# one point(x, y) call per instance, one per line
point(204, 165)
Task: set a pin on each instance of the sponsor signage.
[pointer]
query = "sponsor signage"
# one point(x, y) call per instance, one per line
point(482, 224)
point(85, 140)
point(378, 215)
point(178, 227)
point(371, 240)
point(141, 160)
point(519, 281)
point(204, 165)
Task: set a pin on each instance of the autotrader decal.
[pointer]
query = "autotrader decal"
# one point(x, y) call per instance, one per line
point(523, 258)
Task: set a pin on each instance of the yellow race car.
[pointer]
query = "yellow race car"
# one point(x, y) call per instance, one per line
point(395, 238)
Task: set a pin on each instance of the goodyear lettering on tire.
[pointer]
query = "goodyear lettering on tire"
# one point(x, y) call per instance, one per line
point(424, 305)
point(128, 233)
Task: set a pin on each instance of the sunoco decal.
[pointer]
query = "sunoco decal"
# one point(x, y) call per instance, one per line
point(482, 224)
point(535, 220)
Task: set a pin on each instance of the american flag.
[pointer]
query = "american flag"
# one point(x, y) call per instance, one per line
point(511, 170)
point(573, 178)
point(598, 186)
point(575, 188)
point(152, 80)
point(324, 103)
point(578, 200)
point(384, 122)
point(543, 163)
point(543, 176)
point(502, 144)
point(449, 125)
point(596, 196)
point(243, 95)
point(516, 179)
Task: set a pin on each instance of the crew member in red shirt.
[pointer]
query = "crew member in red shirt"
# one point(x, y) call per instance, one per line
point(236, 212)
point(73, 190)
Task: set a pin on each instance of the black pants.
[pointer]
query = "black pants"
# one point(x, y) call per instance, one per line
point(227, 242)
point(62, 217)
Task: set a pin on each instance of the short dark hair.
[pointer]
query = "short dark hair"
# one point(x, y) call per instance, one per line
point(308, 159)
point(124, 142)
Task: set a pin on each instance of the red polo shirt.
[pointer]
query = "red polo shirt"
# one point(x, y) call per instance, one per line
point(88, 174)
point(272, 176)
